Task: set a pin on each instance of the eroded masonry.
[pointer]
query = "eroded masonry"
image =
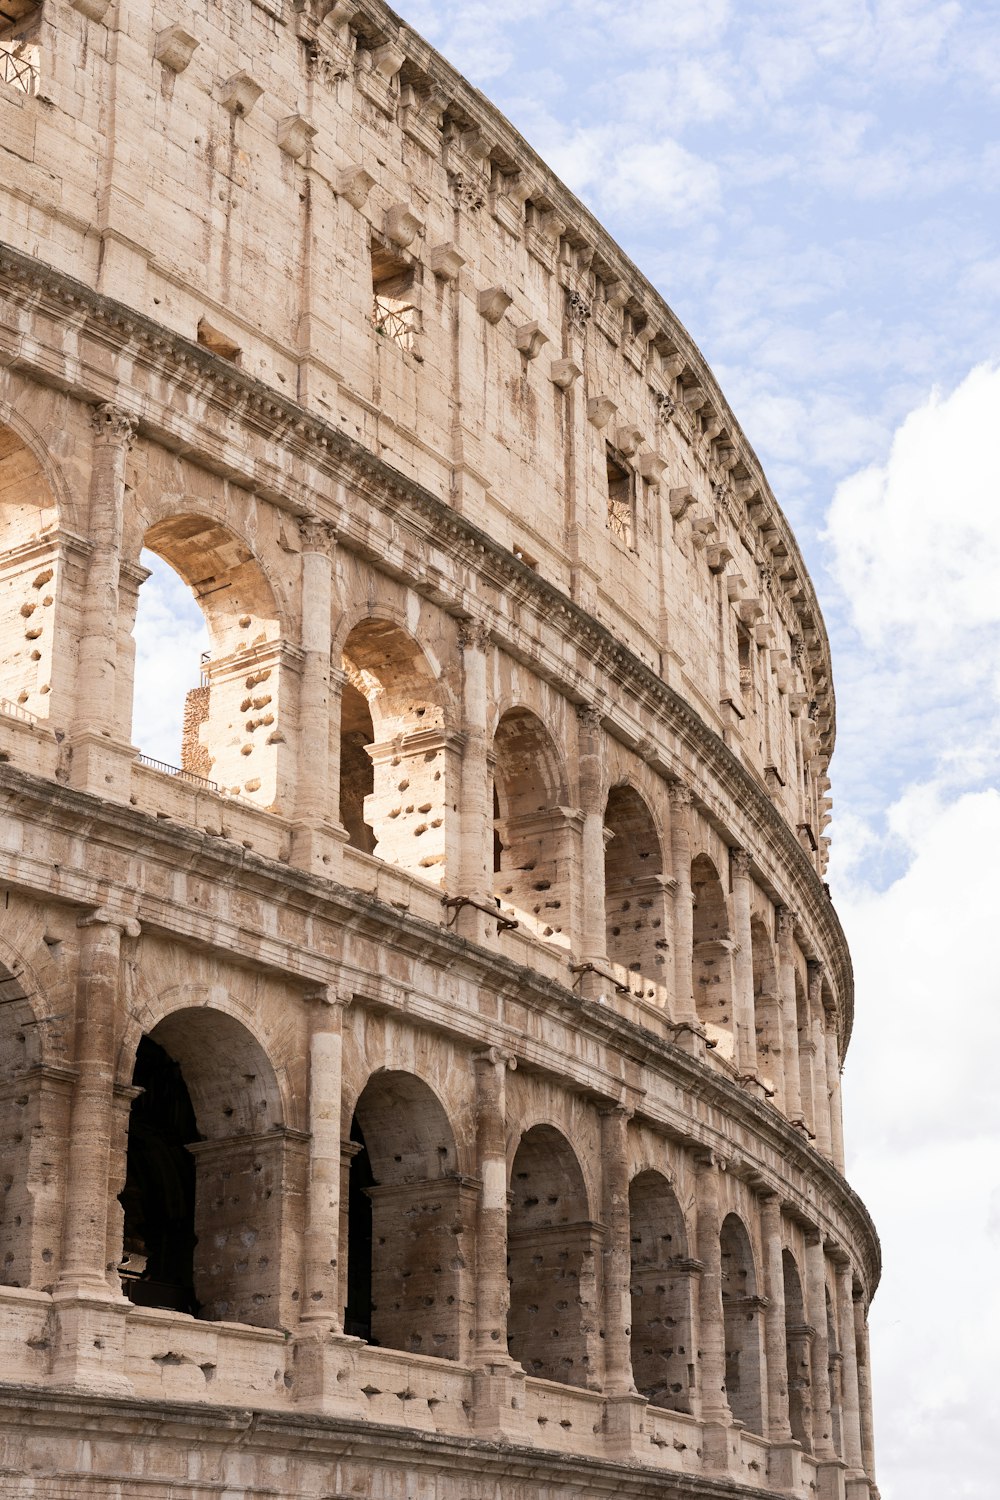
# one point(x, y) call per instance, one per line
point(429, 1085)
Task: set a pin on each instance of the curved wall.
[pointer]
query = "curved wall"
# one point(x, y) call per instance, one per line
point(451, 1044)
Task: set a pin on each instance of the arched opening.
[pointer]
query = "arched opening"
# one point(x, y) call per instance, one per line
point(532, 868)
point(662, 1356)
point(741, 1316)
point(634, 894)
point(211, 1174)
point(552, 1254)
point(766, 1004)
point(32, 565)
point(208, 676)
point(806, 1051)
point(393, 751)
point(798, 1339)
point(713, 956)
point(410, 1216)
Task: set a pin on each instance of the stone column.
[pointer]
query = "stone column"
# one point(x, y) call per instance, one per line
point(821, 1087)
point(711, 1318)
point(850, 1403)
point(492, 1286)
point(864, 1387)
point(317, 837)
point(471, 873)
point(779, 1429)
point(789, 1015)
point(684, 1011)
point(618, 1379)
point(85, 1218)
point(743, 1008)
point(101, 760)
point(593, 939)
point(833, 1084)
point(323, 1247)
point(816, 1313)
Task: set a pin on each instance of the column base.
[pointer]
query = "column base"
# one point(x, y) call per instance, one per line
point(101, 765)
point(319, 848)
point(477, 926)
point(831, 1482)
point(720, 1447)
point(324, 1364)
point(624, 1425)
point(498, 1402)
point(857, 1487)
point(784, 1466)
point(89, 1344)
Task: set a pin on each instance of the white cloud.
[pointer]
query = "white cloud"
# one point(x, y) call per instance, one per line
point(170, 636)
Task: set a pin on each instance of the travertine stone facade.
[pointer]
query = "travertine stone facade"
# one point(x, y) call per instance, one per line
point(431, 1085)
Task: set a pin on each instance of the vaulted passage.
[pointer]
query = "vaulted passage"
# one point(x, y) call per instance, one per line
point(393, 751)
point(741, 1312)
point(552, 1262)
point(713, 950)
point(663, 1361)
point(410, 1222)
point(531, 877)
point(633, 886)
point(213, 1182)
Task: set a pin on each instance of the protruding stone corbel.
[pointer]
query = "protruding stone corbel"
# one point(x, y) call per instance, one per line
point(702, 527)
point(354, 184)
point(174, 48)
point(717, 555)
point(295, 135)
point(711, 428)
point(336, 12)
point(552, 226)
point(673, 364)
point(518, 187)
point(530, 339)
point(402, 225)
point(94, 10)
point(564, 373)
point(680, 500)
point(628, 439)
point(617, 293)
point(750, 610)
point(475, 144)
point(239, 94)
point(446, 261)
point(388, 59)
point(693, 397)
point(493, 302)
point(600, 410)
point(763, 633)
point(735, 587)
point(652, 466)
point(726, 455)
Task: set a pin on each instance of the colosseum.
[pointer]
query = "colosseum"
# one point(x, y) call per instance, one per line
point(429, 1088)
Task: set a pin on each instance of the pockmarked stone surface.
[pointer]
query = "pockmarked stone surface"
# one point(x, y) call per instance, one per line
point(428, 1087)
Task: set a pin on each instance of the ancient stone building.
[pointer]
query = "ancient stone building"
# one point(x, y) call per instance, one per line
point(430, 1088)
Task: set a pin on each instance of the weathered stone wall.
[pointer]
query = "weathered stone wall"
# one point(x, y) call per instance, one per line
point(451, 1053)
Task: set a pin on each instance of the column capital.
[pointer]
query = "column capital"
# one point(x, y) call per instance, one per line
point(495, 1057)
point(102, 916)
point(785, 920)
point(325, 994)
point(589, 717)
point(113, 425)
point(473, 635)
point(317, 536)
point(680, 794)
point(741, 860)
point(623, 1112)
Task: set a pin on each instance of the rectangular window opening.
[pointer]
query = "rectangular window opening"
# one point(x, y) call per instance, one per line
point(395, 315)
point(745, 649)
point(20, 54)
point(621, 500)
point(217, 343)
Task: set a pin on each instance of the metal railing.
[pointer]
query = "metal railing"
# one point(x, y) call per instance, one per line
point(179, 772)
point(394, 322)
point(15, 711)
point(18, 71)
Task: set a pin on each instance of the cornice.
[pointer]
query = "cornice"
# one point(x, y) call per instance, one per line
point(128, 830)
point(279, 419)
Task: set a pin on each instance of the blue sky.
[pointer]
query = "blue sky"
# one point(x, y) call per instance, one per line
point(815, 189)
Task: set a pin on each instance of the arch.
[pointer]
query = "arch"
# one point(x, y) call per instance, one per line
point(395, 752)
point(232, 717)
point(32, 568)
point(553, 1251)
point(213, 1179)
point(634, 894)
point(663, 1360)
point(531, 854)
point(766, 1003)
point(712, 955)
point(410, 1214)
point(741, 1317)
point(798, 1338)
